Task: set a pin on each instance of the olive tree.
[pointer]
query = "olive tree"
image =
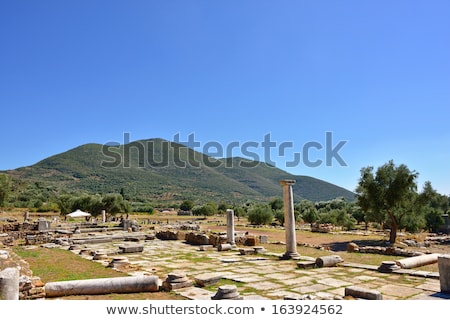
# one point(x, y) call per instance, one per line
point(385, 196)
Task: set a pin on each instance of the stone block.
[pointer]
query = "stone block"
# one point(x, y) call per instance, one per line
point(131, 248)
point(259, 249)
point(444, 272)
point(263, 239)
point(206, 247)
point(207, 279)
point(306, 264)
point(363, 293)
point(246, 251)
point(251, 241)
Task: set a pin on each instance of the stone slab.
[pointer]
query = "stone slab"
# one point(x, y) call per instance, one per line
point(264, 285)
point(254, 297)
point(332, 282)
point(363, 293)
point(298, 281)
point(399, 291)
point(430, 286)
point(206, 279)
point(312, 288)
point(365, 278)
point(194, 293)
point(281, 276)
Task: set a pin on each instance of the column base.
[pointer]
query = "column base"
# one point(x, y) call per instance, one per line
point(290, 255)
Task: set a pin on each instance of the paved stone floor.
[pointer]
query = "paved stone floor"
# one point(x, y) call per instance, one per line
point(267, 277)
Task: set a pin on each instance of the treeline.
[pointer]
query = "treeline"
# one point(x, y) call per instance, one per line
point(38, 197)
point(385, 198)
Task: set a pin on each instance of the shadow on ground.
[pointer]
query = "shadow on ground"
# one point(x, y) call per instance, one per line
point(441, 295)
point(342, 246)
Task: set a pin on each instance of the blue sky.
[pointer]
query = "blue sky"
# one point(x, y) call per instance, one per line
point(375, 74)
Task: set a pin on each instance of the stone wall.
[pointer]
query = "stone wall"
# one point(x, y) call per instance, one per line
point(390, 251)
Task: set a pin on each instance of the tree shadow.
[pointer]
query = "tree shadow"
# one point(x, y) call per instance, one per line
point(342, 246)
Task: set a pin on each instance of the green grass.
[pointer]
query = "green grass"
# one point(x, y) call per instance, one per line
point(61, 265)
point(192, 257)
point(53, 265)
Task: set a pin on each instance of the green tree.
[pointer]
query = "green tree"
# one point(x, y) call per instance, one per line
point(186, 205)
point(276, 203)
point(204, 210)
point(279, 216)
point(88, 203)
point(308, 211)
point(239, 212)
point(65, 204)
point(434, 204)
point(260, 214)
point(385, 196)
point(114, 203)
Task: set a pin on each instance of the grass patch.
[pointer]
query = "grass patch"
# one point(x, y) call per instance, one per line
point(193, 257)
point(61, 265)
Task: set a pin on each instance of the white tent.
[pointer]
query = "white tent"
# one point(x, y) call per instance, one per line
point(78, 213)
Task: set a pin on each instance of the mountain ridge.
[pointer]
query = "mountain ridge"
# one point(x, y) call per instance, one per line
point(159, 170)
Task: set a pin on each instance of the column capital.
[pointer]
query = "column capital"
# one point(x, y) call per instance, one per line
point(287, 182)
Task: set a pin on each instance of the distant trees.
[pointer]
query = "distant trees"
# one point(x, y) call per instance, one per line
point(5, 189)
point(277, 204)
point(386, 197)
point(208, 209)
point(94, 204)
point(260, 214)
point(336, 211)
point(186, 205)
point(308, 211)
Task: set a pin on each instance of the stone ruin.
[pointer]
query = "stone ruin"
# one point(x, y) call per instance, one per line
point(32, 288)
point(176, 281)
point(390, 251)
point(227, 292)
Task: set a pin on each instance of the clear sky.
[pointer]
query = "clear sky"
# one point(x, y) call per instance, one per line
point(375, 75)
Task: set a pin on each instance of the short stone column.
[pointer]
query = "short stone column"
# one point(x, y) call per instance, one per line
point(227, 292)
point(103, 216)
point(230, 227)
point(26, 216)
point(176, 281)
point(289, 220)
point(9, 284)
point(444, 272)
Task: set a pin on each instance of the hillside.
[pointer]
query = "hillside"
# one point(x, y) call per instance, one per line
point(159, 170)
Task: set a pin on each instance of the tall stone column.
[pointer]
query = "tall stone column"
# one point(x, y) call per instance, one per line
point(103, 216)
point(289, 220)
point(230, 227)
